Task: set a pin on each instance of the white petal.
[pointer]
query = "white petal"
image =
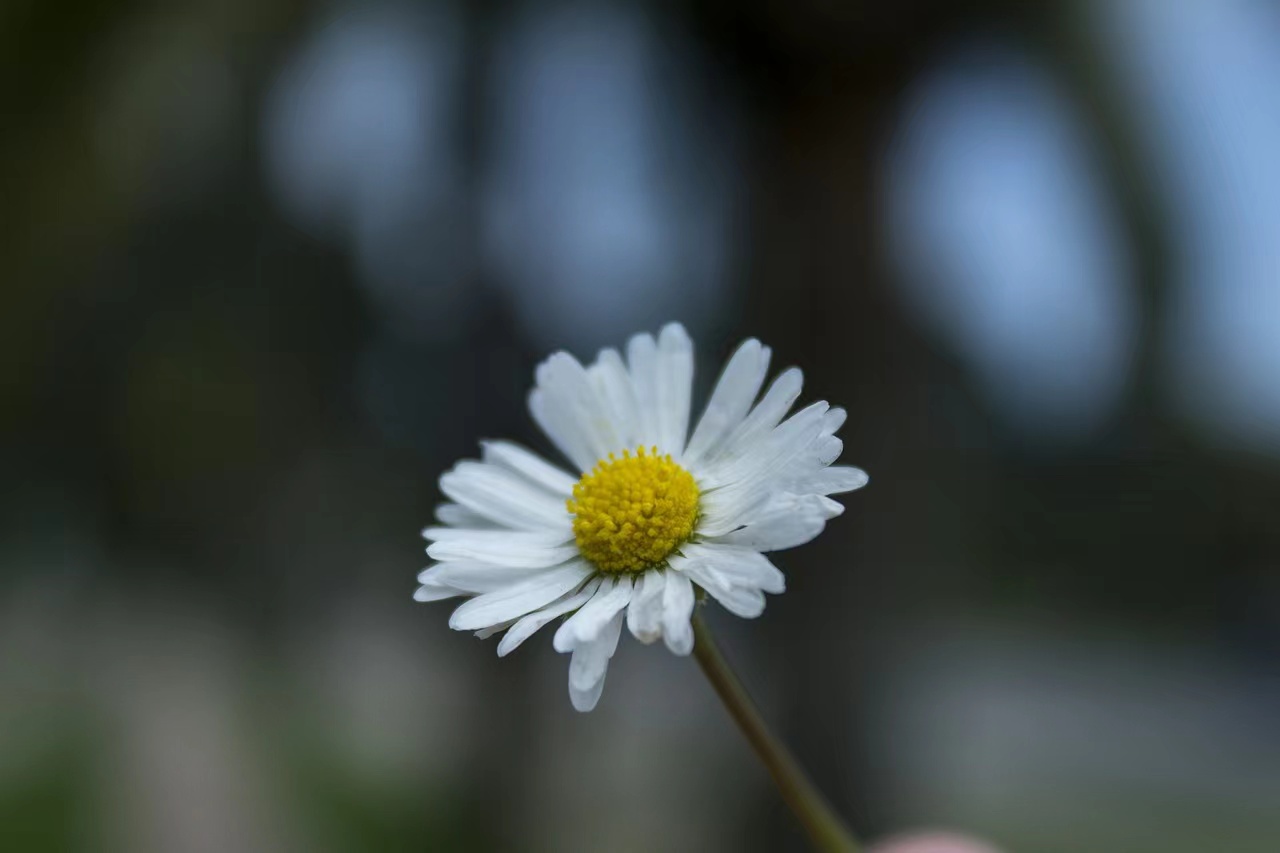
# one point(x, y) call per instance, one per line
point(826, 449)
point(515, 548)
point(642, 364)
point(591, 658)
point(731, 400)
point(834, 480)
point(677, 608)
point(833, 420)
point(566, 408)
point(473, 577)
point(518, 599)
point(585, 625)
point(486, 633)
point(786, 522)
point(699, 572)
point(675, 388)
point(533, 467)
point(833, 508)
point(742, 486)
point(767, 414)
point(772, 452)
point(805, 473)
point(724, 511)
point(522, 538)
point(742, 601)
point(740, 566)
point(459, 516)
point(617, 397)
point(777, 532)
point(504, 497)
point(586, 700)
point(590, 664)
point(430, 592)
point(528, 625)
point(644, 613)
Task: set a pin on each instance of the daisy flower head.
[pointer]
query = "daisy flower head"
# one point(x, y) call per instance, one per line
point(654, 513)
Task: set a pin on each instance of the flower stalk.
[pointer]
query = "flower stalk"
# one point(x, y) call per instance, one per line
point(825, 828)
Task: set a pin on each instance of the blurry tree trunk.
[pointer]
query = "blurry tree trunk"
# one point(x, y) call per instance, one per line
point(819, 296)
point(828, 85)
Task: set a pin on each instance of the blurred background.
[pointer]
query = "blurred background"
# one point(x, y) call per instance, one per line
point(270, 266)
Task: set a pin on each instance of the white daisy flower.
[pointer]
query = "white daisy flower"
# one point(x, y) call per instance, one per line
point(655, 513)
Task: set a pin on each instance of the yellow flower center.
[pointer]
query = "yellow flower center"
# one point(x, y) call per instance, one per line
point(629, 513)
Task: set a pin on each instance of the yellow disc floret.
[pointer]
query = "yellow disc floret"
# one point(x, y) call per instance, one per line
point(629, 513)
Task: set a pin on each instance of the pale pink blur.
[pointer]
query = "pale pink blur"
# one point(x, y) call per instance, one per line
point(932, 842)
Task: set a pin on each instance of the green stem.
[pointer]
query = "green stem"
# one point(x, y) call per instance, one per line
point(825, 828)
